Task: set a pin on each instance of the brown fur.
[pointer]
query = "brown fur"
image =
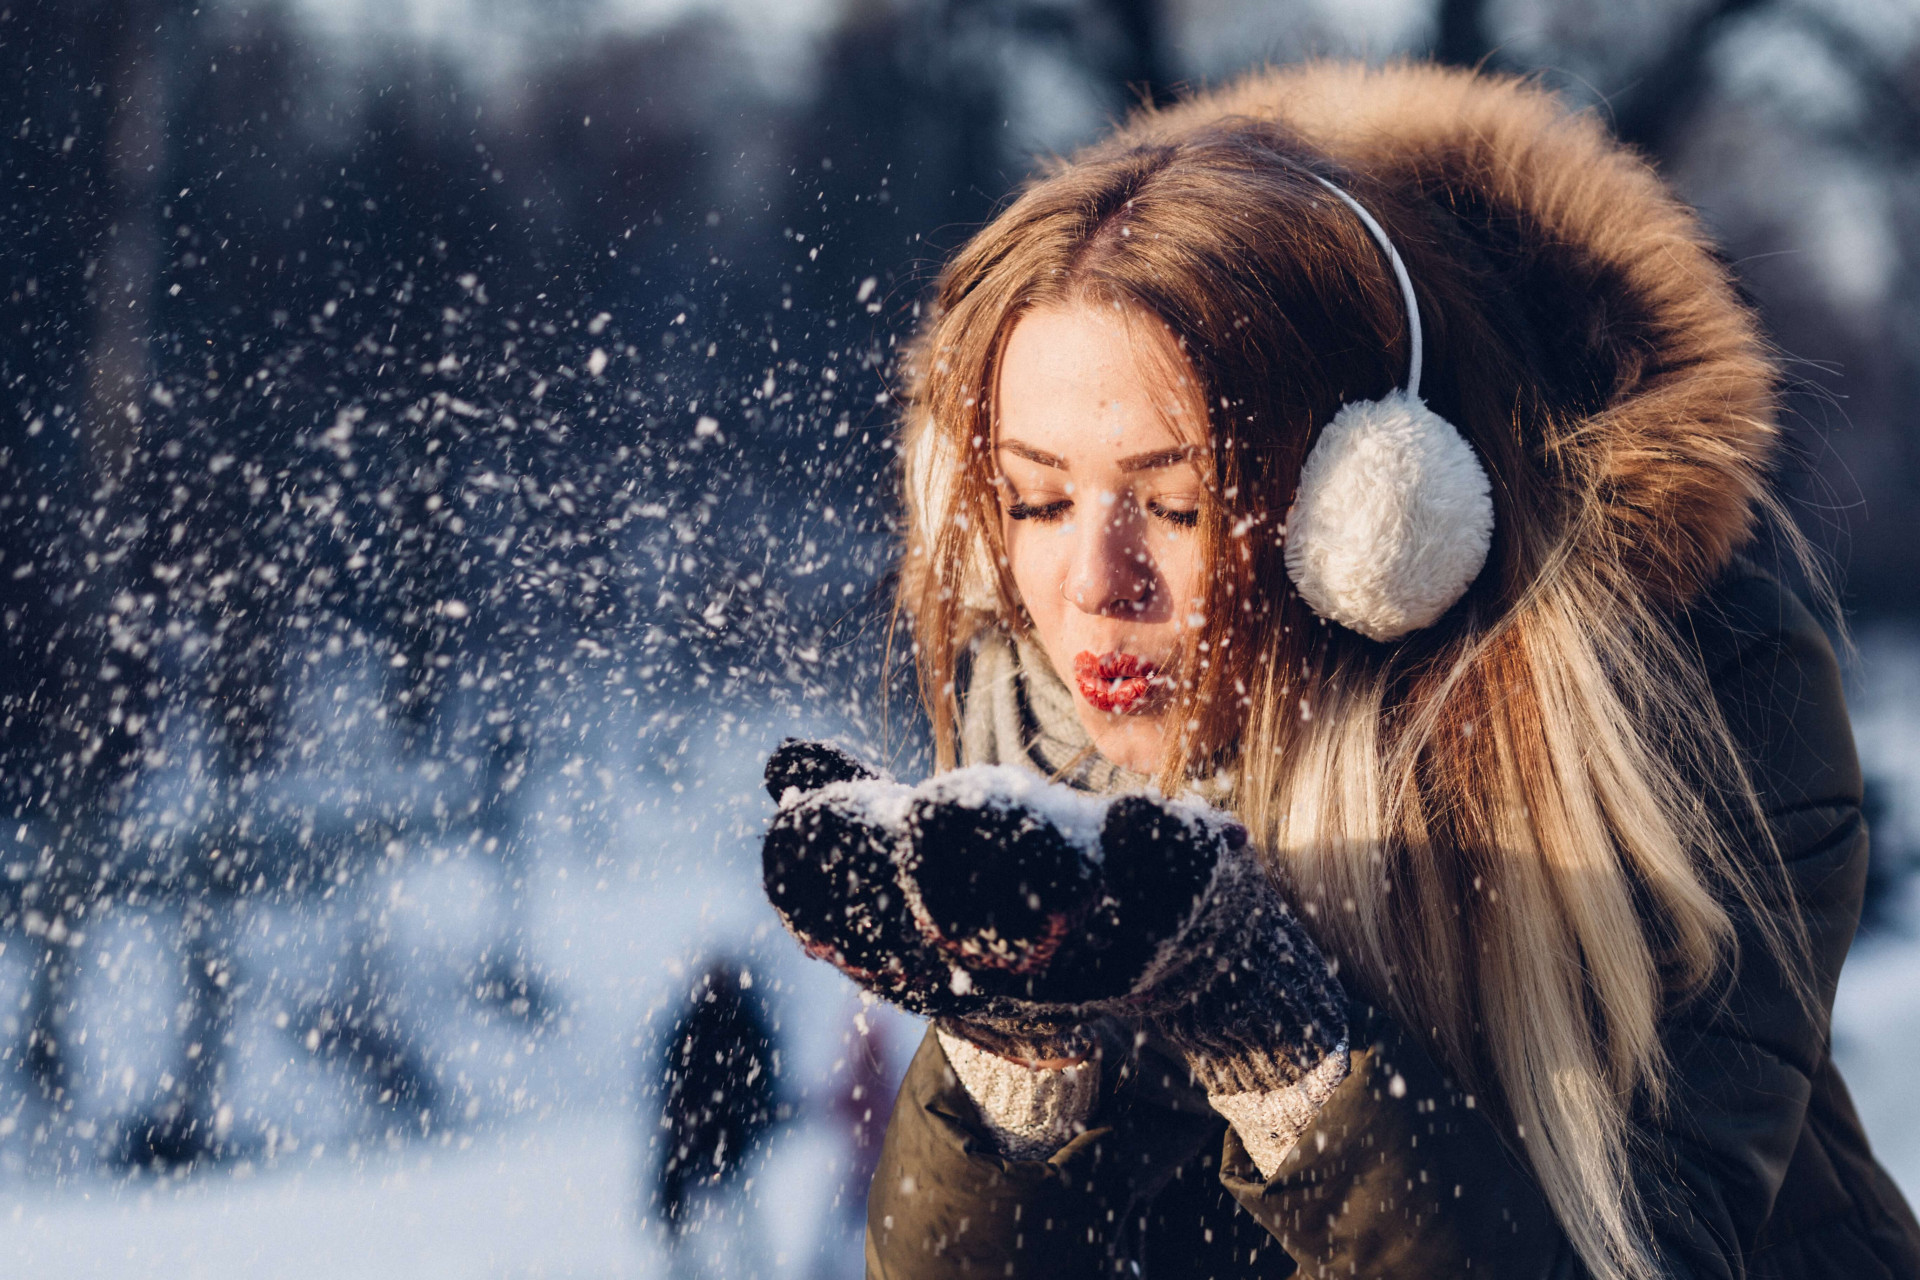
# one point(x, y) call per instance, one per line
point(1679, 437)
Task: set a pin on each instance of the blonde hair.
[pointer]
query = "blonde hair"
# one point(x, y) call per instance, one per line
point(1513, 828)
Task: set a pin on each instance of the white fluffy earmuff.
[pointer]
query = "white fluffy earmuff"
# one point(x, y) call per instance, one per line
point(1393, 517)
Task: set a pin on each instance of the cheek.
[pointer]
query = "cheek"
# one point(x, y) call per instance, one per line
point(1179, 562)
point(1039, 565)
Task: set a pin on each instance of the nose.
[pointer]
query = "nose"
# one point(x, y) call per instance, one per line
point(1110, 571)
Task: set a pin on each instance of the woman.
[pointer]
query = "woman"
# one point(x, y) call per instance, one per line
point(1370, 452)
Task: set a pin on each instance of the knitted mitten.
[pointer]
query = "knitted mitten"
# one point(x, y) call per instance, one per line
point(835, 862)
point(1018, 911)
point(828, 867)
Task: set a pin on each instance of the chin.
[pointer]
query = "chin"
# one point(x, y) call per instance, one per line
point(1130, 741)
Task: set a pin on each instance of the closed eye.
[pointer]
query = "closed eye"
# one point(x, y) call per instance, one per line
point(1046, 513)
point(1186, 519)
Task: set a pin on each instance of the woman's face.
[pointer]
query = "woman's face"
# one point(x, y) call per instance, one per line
point(1100, 439)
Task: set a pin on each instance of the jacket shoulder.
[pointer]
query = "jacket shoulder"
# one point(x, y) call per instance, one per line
point(1777, 681)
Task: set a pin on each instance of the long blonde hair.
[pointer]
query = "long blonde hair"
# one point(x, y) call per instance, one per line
point(1513, 828)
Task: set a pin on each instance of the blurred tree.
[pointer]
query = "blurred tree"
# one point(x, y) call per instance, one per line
point(192, 1122)
point(1658, 97)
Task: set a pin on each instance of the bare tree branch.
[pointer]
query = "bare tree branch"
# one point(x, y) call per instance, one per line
point(1652, 112)
point(1892, 124)
point(1461, 37)
point(1142, 65)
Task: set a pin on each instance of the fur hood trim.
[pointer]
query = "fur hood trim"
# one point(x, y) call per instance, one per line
point(1681, 430)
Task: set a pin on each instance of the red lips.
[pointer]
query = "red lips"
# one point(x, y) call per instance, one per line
point(1114, 681)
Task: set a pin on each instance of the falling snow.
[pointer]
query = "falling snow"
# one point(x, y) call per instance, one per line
point(449, 445)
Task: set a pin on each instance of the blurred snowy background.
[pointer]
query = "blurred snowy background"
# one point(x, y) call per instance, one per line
point(445, 446)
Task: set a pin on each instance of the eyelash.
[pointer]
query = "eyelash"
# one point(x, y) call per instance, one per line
point(1045, 514)
point(1052, 511)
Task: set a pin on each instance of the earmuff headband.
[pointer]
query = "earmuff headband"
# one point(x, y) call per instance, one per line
point(1393, 516)
point(1380, 237)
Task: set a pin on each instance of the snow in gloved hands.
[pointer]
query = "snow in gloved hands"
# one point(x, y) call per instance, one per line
point(989, 895)
point(974, 882)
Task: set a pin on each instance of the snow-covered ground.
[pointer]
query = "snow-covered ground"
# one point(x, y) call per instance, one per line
point(542, 1170)
point(550, 1178)
point(1876, 1016)
point(538, 1155)
point(556, 1198)
point(1876, 1040)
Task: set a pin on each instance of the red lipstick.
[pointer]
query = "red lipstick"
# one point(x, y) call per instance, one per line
point(1114, 681)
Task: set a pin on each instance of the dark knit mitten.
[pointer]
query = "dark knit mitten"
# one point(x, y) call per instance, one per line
point(1239, 988)
point(808, 766)
point(833, 864)
point(829, 872)
point(1185, 932)
point(1018, 912)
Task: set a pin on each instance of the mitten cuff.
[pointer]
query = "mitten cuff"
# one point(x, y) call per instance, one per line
point(1270, 1122)
point(1248, 998)
point(1020, 1041)
point(1254, 1057)
point(1030, 1112)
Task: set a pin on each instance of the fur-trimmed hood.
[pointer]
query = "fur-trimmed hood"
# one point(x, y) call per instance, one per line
point(1682, 428)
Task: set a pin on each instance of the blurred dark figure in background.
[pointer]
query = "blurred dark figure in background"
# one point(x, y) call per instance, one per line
point(862, 1105)
point(717, 1075)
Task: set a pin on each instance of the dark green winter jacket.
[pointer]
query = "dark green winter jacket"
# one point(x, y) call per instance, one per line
point(1760, 1168)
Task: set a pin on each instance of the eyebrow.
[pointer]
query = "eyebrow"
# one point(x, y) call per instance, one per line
point(1031, 454)
point(1150, 461)
point(1157, 459)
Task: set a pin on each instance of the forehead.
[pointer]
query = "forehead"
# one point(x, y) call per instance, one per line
point(1090, 381)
